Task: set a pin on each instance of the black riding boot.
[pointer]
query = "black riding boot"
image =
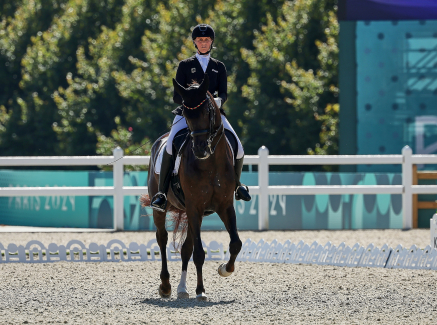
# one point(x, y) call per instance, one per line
point(241, 191)
point(159, 201)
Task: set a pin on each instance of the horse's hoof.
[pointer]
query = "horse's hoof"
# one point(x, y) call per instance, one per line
point(201, 297)
point(162, 294)
point(222, 270)
point(182, 293)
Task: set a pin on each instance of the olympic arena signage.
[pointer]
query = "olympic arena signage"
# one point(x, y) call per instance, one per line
point(347, 211)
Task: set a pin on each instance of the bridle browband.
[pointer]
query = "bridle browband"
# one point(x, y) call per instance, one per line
point(210, 131)
point(196, 106)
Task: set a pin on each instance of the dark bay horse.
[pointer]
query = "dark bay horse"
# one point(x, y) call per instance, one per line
point(207, 178)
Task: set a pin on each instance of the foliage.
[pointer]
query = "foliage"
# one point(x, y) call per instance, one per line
point(122, 138)
point(293, 79)
point(329, 132)
point(76, 74)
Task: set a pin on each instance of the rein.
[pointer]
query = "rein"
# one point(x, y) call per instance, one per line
point(210, 131)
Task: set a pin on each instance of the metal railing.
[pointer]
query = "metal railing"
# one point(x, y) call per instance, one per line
point(263, 160)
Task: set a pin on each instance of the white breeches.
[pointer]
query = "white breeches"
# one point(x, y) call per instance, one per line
point(179, 123)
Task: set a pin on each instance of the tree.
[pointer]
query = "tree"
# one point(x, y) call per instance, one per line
point(90, 102)
point(77, 75)
point(20, 20)
point(293, 80)
point(122, 138)
point(234, 22)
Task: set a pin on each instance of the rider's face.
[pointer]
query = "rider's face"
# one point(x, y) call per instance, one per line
point(203, 44)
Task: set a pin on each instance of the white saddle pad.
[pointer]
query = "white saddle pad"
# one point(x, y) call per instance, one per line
point(159, 161)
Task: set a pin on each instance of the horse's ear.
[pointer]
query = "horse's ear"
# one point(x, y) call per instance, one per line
point(205, 83)
point(178, 88)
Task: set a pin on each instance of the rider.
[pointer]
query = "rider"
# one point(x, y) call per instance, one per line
point(189, 70)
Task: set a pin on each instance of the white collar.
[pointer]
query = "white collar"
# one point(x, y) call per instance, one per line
point(202, 56)
point(203, 60)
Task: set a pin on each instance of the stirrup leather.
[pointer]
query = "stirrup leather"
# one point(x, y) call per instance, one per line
point(242, 193)
point(159, 202)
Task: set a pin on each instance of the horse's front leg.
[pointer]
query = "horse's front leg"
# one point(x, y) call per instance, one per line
point(195, 222)
point(186, 252)
point(230, 220)
point(162, 238)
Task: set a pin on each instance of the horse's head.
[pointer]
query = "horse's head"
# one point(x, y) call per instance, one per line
point(200, 114)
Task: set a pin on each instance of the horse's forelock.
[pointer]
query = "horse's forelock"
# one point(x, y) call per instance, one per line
point(193, 85)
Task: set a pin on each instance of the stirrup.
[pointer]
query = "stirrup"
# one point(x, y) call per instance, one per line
point(242, 193)
point(159, 202)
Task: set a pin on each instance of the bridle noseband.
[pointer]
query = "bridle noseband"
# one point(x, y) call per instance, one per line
point(210, 131)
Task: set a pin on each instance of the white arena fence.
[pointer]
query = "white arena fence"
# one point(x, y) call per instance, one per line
point(263, 160)
point(274, 252)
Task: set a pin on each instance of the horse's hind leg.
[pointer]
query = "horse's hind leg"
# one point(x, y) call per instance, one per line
point(230, 220)
point(162, 238)
point(186, 252)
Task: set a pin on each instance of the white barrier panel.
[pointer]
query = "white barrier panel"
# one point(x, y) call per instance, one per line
point(274, 252)
point(433, 228)
point(375, 257)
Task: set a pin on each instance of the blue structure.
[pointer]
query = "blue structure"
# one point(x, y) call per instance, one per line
point(387, 10)
point(388, 78)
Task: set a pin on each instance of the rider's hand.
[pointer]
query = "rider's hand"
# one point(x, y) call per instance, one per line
point(218, 101)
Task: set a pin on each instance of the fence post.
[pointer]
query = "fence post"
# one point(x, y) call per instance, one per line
point(118, 172)
point(407, 181)
point(263, 183)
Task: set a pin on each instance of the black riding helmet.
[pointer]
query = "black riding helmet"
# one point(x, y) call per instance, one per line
point(203, 30)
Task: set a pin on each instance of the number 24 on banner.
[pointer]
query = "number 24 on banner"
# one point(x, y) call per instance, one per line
point(253, 206)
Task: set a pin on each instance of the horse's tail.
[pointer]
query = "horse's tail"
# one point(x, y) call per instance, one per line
point(176, 218)
point(145, 201)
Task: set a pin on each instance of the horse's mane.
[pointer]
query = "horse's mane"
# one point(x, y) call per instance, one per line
point(211, 98)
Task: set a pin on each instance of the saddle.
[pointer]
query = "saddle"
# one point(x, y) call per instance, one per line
point(179, 142)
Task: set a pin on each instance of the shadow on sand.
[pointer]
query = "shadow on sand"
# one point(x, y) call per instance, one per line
point(183, 303)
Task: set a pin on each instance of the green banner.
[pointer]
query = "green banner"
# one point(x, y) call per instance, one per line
point(44, 211)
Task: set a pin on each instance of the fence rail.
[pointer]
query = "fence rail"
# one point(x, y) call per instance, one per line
point(263, 160)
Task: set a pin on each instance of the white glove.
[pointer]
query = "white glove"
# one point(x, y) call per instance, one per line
point(218, 101)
